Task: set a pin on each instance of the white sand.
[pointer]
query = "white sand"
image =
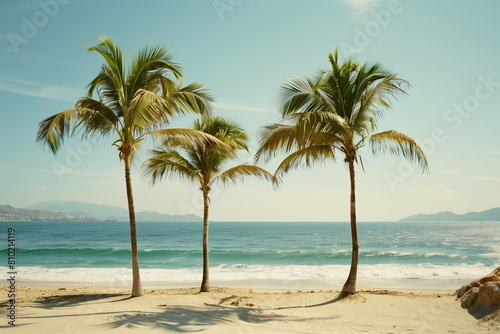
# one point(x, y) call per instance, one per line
point(45, 309)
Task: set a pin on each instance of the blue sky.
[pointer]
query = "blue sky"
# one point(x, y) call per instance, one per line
point(243, 51)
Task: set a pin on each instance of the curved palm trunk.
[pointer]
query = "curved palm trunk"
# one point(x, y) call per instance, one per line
point(205, 284)
point(136, 278)
point(350, 285)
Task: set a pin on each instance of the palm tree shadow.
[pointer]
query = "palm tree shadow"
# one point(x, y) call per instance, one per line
point(333, 301)
point(337, 299)
point(176, 318)
point(51, 302)
point(192, 319)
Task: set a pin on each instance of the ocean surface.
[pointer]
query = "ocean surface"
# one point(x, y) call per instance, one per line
point(278, 254)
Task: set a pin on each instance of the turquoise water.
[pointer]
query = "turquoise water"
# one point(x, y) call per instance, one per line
point(68, 251)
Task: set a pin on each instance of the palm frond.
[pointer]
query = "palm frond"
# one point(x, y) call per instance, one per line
point(53, 129)
point(375, 90)
point(96, 118)
point(334, 110)
point(108, 90)
point(331, 93)
point(299, 95)
point(191, 98)
point(340, 82)
point(275, 138)
point(229, 133)
point(225, 130)
point(398, 144)
point(150, 62)
point(310, 123)
point(304, 156)
point(169, 162)
point(184, 137)
point(112, 54)
point(148, 110)
point(238, 173)
point(205, 150)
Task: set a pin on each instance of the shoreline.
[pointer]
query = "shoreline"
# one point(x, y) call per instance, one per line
point(431, 284)
point(84, 309)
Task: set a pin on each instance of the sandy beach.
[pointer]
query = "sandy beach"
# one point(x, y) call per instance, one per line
point(49, 309)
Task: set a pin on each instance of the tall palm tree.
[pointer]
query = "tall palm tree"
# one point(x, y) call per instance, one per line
point(131, 103)
point(204, 164)
point(337, 111)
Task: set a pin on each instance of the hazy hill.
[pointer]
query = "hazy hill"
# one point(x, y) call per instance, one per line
point(488, 215)
point(156, 216)
point(7, 212)
point(100, 211)
point(82, 209)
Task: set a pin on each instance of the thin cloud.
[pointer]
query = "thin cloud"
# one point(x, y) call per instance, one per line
point(481, 178)
point(34, 89)
point(229, 106)
point(486, 178)
point(438, 190)
point(361, 8)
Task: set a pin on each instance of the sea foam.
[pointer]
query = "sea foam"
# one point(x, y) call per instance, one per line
point(255, 272)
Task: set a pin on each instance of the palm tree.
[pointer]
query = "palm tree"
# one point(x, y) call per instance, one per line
point(334, 112)
point(131, 104)
point(204, 164)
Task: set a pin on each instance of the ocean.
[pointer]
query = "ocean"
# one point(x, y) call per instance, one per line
point(254, 254)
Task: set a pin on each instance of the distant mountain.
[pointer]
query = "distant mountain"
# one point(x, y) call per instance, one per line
point(41, 205)
point(156, 216)
point(488, 215)
point(99, 211)
point(8, 212)
point(82, 209)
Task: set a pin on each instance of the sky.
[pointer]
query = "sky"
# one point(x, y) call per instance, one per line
point(243, 51)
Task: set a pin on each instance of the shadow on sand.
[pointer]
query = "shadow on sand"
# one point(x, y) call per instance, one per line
point(177, 318)
point(181, 318)
point(189, 319)
point(75, 300)
point(333, 301)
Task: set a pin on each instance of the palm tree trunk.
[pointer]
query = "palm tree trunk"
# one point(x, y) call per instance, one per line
point(350, 285)
point(136, 278)
point(205, 284)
